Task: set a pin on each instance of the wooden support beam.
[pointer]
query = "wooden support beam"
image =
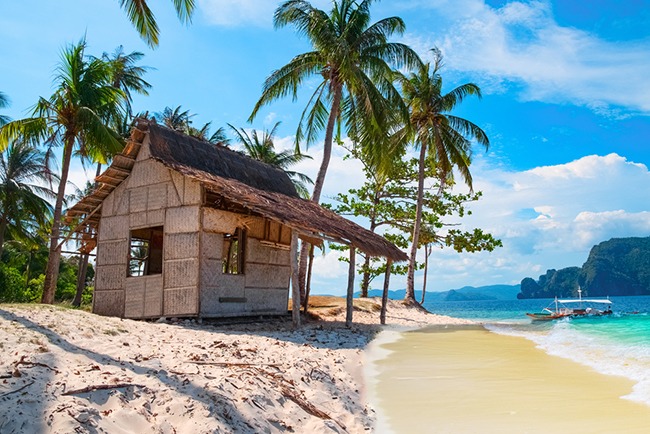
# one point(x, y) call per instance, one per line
point(350, 297)
point(384, 296)
point(295, 293)
point(72, 232)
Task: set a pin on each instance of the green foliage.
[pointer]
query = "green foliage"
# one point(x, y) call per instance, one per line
point(389, 201)
point(11, 285)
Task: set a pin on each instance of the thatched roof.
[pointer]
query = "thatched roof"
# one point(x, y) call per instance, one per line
point(256, 186)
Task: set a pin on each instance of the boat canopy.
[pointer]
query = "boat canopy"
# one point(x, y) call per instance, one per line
point(585, 300)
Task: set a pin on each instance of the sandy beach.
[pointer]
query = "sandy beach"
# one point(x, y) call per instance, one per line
point(71, 371)
point(468, 380)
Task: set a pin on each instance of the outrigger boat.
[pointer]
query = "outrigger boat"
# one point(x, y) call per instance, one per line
point(563, 308)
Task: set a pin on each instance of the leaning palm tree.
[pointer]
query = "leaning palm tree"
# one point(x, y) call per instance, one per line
point(77, 115)
point(144, 21)
point(4, 103)
point(23, 172)
point(351, 57)
point(263, 149)
point(438, 133)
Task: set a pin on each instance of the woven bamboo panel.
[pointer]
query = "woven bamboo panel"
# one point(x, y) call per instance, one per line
point(215, 220)
point(211, 273)
point(138, 200)
point(144, 153)
point(157, 197)
point(176, 189)
point(255, 227)
point(148, 172)
point(267, 300)
point(211, 306)
point(279, 256)
point(181, 246)
point(285, 237)
point(138, 220)
point(153, 299)
point(112, 253)
point(108, 303)
point(134, 297)
point(256, 252)
point(156, 218)
point(182, 219)
point(181, 301)
point(121, 204)
point(114, 228)
point(109, 277)
point(181, 273)
point(267, 276)
point(107, 206)
point(211, 245)
point(192, 192)
point(273, 232)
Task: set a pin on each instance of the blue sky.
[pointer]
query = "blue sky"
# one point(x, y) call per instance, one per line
point(566, 104)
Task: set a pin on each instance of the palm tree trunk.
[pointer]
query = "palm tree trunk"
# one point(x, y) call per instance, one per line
point(81, 278)
point(3, 228)
point(320, 180)
point(54, 258)
point(426, 268)
point(410, 279)
point(365, 283)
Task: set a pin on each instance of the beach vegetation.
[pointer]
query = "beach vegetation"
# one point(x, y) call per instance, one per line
point(437, 133)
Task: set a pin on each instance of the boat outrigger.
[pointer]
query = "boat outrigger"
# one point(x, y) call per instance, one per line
point(563, 308)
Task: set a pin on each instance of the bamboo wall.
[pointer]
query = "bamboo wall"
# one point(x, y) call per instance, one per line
point(192, 282)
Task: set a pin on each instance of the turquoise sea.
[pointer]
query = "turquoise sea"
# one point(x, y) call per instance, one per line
point(615, 345)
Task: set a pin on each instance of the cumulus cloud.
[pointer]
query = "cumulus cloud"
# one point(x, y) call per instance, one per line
point(521, 44)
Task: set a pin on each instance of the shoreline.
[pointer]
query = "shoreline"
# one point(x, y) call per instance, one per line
point(188, 377)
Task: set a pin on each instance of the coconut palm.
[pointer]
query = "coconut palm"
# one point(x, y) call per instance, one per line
point(78, 115)
point(218, 138)
point(23, 198)
point(4, 103)
point(144, 21)
point(263, 149)
point(443, 136)
point(174, 118)
point(351, 58)
point(126, 75)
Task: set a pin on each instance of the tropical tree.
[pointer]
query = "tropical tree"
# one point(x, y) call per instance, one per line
point(437, 133)
point(4, 103)
point(351, 57)
point(144, 21)
point(263, 149)
point(23, 198)
point(218, 138)
point(78, 115)
point(126, 75)
point(174, 118)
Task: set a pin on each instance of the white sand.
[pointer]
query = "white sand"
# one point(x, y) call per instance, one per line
point(268, 377)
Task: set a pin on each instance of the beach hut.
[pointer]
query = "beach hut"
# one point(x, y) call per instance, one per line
point(186, 228)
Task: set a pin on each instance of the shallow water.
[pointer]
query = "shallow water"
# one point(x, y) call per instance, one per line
point(431, 381)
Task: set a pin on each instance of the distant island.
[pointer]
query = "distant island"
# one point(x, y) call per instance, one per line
point(466, 293)
point(618, 267)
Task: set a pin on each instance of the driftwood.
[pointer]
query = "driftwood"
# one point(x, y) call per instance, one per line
point(307, 406)
point(100, 387)
point(233, 363)
point(17, 390)
point(42, 365)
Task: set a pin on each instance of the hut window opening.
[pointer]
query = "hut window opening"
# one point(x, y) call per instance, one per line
point(233, 252)
point(145, 252)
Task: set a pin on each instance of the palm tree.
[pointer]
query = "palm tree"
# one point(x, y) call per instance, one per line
point(144, 21)
point(263, 149)
point(438, 133)
point(351, 58)
point(218, 138)
point(78, 114)
point(23, 171)
point(174, 118)
point(125, 75)
point(4, 103)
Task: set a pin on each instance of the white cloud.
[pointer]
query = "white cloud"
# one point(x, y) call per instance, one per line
point(521, 43)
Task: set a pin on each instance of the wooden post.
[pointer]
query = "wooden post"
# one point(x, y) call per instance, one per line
point(308, 289)
point(295, 294)
point(384, 296)
point(350, 298)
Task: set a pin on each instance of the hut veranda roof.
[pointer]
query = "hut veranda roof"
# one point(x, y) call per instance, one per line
point(256, 186)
